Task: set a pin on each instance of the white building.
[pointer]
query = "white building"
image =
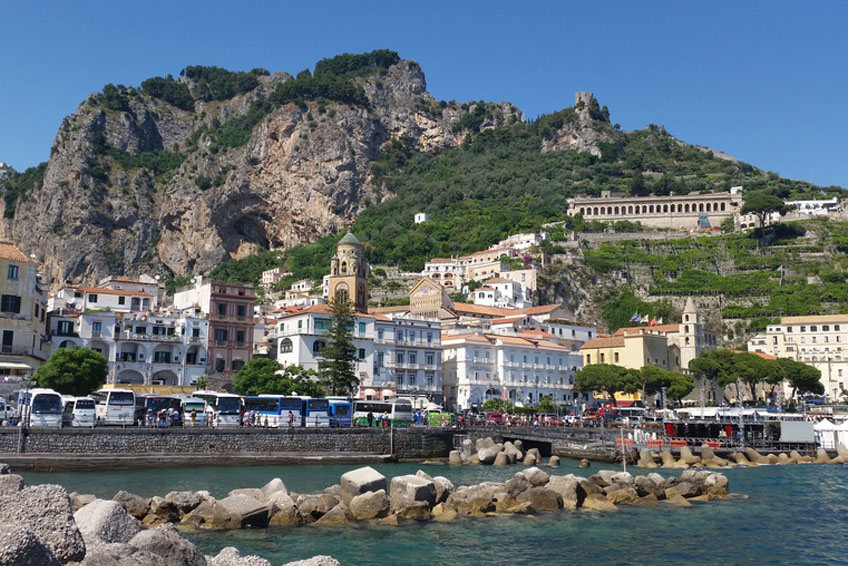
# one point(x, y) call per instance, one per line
point(814, 207)
point(503, 293)
point(101, 298)
point(407, 359)
point(301, 337)
point(143, 284)
point(522, 242)
point(446, 271)
point(421, 217)
point(271, 276)
point(478, 367)
point(300, 288)
point(820, 341)
point(149, 349)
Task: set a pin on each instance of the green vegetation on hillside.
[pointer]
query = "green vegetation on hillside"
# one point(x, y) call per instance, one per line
point(16, 186)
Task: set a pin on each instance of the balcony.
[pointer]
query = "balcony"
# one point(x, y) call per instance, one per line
point(21, 351)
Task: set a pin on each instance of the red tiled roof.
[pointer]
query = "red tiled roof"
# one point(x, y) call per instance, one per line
point(603, 343)
point(102, 291)
point(11, 252)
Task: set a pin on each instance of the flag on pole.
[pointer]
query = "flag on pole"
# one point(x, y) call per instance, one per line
point(659, 320)
point(634, 317)
point(653, 322)
point(504, 394)
point(637, 319)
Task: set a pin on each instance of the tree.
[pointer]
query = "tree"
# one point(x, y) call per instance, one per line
point(713, 367)
point(761, 205)
point(202, 382)
point(546, 405)
point(607, 378)
point(751, 369)
point(497, 405)
point(338, 359)
point(266, 376)
point(801, 377)
point(73, 371)
point(652, 380)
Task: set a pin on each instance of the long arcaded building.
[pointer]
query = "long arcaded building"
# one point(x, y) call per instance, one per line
point(673, 211)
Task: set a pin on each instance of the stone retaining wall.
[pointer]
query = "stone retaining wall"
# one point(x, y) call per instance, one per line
point(403, 443)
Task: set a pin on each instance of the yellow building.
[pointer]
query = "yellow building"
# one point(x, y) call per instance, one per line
point(23, 318)
point(348, 275)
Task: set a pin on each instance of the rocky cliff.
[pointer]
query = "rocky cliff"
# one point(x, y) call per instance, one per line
point(140, 181)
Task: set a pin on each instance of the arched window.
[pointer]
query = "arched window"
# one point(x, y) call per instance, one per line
point(651, 209)
point(722, 207)
point(341, 293)
point(644, 209)
point(630, 209)
point(709, 205)
point(317, 347)
point(285, 345)
point(616, 210)
point(596, 211)
point(582, 211)
point(686, 208)
point(700, 207)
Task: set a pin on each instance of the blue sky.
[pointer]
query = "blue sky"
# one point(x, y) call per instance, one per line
point(764, 81)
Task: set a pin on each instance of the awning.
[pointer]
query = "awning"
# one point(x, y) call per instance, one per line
point(388, 393)
point(13, 365)
point(369, 393)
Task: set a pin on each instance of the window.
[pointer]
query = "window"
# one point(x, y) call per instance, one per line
point(220, 364)
point(65, 328)
point(317, 347)
point(10, 303)
point(162, 357)
point(803, 329)
point(237, 365)
point(241, 312)
point(814, 329)
point(222, 309)
point(399, 357)
point(8, 339)
point(413, 358)
point(429, 380)
point(826, 328)
point(122, 300)
point(836, 327)
point(588, 359)
point(239, 337)
point(362, 354)
point(92, 298)
point(141, 330)
point(13, 271)
point(615, 354)
point(431, 359)
point(195, 333)
point(361, 328)
point(602, 358)
point(399, 336)
point(380, 335)
point(788, 329)
point(97, 327)
point(429, 338)
point(220, 337)
point(285, 345)
point(400, 378)
point(412, 379)
point(380, 359)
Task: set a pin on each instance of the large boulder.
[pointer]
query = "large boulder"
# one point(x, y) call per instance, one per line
point(484, 443)
point(313, 507)
point(645, 485)
point(19, 546)
point(359, 481)
point(529, 460)
point(369, 505)
point(741, 460)
point(80, 500)
point(283, 510)
point(244, 511)
point(338, 515)
point(105, 521)
point(164, 509)
point(166, 542)
point(673, 496)
point(444, 514)
point(230, 556)
point(569, 490)
point(517, 485)
point(273, 487)
point(488, 454)
point(454, 458)
point(253, 492)
point(476, 499)
point(709, 458)
point(621, 494)
point(646, 460)
point(444, 487)
point(668, 460)
point(46, 512)
point(407, 490)
point(536, 476)
point(598, 502)
point(687, 457)
point(716, 485)
point(756, 457)
point(589, 487)
point(542, 499)
point(10, 484)
point(184, 501)
point(134, 505)
point(688, 489)
point(501, 459)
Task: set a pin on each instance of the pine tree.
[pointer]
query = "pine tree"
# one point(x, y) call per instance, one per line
point(338, 363)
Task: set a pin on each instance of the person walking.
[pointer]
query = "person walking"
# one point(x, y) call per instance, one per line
point(535, 423)
point(193, 417)
point(370, 419)
point(291, 419)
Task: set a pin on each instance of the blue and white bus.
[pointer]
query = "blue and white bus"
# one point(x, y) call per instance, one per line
point(341, 412)
point(275, 408)
point(316, 412)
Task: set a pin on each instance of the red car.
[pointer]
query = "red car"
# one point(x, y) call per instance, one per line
point(494, 418)
point(549, 419)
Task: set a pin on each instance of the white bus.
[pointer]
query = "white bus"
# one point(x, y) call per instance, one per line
point(40, 408)
point(399, 412)
point(198, 406)
point(223, 408)
point(78, 411)
point(115, 406)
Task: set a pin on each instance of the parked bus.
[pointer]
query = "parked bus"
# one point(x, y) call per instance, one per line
point(315, 412)
point(275, 408)
point(148, 405)
point(341, 412)
point(399, 412)
point(196, 405)
point(223, 408)
point(40, 408)
point(79, 411)
point(115, 407)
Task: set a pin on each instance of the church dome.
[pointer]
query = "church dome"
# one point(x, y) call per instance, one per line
point(349, 239)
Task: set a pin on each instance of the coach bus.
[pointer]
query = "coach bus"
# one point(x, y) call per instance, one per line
point(341, 412)
point(315, 411)
point(224, 408)
point(115, 406)
point(274, 408)
point(398, 412)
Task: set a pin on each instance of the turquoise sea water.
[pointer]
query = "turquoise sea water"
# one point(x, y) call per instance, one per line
point(794, 515)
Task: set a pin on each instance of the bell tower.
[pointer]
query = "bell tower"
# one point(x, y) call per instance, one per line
point(348, 273)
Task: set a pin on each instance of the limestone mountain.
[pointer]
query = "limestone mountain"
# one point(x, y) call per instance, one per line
point(179, 175)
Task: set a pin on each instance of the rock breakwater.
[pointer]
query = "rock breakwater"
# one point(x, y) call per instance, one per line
point(747, 457)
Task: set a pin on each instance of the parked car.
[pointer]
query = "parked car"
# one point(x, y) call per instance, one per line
point(494, 418)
